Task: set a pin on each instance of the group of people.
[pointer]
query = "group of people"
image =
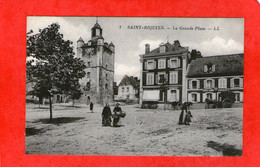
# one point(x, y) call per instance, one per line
point(109, 119)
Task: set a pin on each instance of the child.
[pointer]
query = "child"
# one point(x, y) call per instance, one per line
point(188, 118)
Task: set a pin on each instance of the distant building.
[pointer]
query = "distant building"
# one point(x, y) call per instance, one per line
point(209, 76)
point(163, 74)
point(99, 58)
point(128, 88)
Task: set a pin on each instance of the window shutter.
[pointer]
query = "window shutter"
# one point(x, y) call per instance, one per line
point(232, 83)
point(241, 82)
point(156, 79)
point(205, 68)
point(154, 64)
point(198, 97)
point(224, 83)
point(152, 79)
point(213, 67)
point(219, 83)
point(189, 97)
point(168, 63)
point(145, 65)
point(177, 95)
point(175, 78)
point(213, 83)
point(205, 81)
point(241, 96)
point(166, 78)
point(178, 62)
point(190, 84)
point(169, 96)
point(204, 96)
point(198, 84)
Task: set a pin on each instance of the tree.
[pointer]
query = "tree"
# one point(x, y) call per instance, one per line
point(53, 67)
point(194, 55)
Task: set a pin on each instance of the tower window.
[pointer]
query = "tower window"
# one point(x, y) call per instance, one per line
point(88, 74)
point(106, 85)
point(97, 32)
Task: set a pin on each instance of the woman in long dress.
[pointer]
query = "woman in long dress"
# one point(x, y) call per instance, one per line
point(106, 116)
point(183, 113)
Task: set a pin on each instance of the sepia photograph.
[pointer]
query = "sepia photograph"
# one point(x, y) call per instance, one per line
point(134, 86)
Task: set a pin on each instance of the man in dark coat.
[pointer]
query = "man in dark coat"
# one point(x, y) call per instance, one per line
point(106, 116)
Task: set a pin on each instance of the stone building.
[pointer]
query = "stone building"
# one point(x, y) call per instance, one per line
point(163, 74)
point(207, 77)
point(128, 89)
point(99, 57)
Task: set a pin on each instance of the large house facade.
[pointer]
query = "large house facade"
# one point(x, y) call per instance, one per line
point(207, 77)
point(99, 57)
point(163, 74)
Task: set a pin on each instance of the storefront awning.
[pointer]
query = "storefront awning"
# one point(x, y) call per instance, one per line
point(151, 95)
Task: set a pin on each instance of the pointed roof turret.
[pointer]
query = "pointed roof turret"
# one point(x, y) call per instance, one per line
point(111, 44)
point(96, 26)
point(80, 39)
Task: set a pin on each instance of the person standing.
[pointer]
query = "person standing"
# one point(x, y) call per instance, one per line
point(91, 105)
point(106, 116)
point(116, 116)
point(183, 113)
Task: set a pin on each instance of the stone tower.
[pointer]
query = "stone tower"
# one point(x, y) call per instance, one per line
point(99, 57)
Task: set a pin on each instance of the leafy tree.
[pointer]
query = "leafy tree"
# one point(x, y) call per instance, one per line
point(194, 55)
point(53, 68)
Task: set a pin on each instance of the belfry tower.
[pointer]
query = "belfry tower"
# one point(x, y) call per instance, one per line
point(99, 57)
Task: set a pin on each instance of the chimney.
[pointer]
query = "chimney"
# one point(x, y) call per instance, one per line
point(176, 44)
point(147, 48)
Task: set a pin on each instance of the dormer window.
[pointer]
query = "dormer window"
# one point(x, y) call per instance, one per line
point(209, 67)
point(162, 48)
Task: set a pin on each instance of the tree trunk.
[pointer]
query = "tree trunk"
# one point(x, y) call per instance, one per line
point(73, 102)
point(50, 108)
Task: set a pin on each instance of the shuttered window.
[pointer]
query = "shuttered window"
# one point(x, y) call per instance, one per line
point(174, 77)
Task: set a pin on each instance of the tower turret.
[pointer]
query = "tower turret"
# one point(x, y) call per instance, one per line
point(80, 43)
point(96, 31)
point(112, 47)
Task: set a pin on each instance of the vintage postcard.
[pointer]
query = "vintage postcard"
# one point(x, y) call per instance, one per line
point(139, 86)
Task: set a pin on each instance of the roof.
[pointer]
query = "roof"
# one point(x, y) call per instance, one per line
point(225, 65)
point(80, 39)
point(130, 81)
point(170, 49)
point(96, 26)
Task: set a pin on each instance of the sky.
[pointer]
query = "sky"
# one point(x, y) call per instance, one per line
point(195, 33)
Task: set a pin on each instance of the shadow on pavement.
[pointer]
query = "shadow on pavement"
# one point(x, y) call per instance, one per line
point(33, 131)
point(227, 150)
point(59, 120)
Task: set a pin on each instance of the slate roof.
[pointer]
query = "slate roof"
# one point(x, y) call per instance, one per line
point(97, 26)
point(170, 49)
point(129, 81)
point(225, 65)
